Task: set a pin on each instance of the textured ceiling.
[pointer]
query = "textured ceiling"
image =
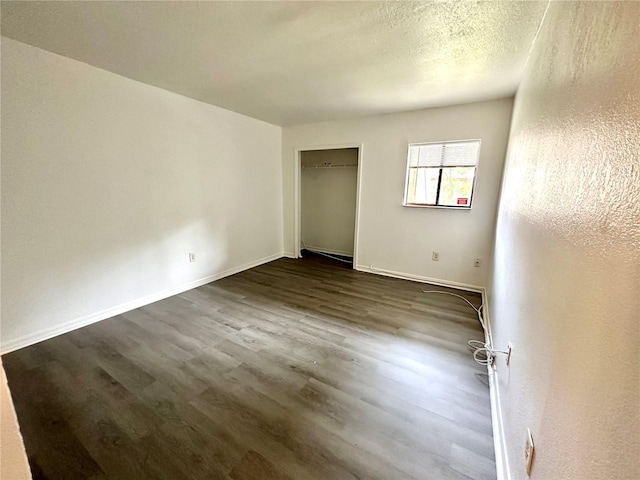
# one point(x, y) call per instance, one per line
point(295, 62)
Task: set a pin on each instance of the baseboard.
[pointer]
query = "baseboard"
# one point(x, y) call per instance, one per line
point(289, 255)
point(419, 278)
point(32, 338)
point(499, 440)
point(486, 317)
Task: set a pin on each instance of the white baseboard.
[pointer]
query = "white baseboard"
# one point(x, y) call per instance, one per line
point(419, 278)
point(289, 255)
point(329, 251)
point(83, 321)
point(486, 317)
point(499, 439)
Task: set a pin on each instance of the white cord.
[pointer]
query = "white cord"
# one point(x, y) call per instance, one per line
point(476, 344)
point(477, 310)
point(479, 348)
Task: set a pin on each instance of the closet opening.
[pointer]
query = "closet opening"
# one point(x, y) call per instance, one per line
point(327, 203)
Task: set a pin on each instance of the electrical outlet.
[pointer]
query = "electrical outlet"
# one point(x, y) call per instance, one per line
point(192, 256)
point(528, 452)
point(476, 262)
point(435, 256)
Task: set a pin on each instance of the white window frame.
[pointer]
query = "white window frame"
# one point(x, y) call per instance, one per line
point(427, 205)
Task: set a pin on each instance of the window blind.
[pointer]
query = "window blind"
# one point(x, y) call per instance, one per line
point(449, 154)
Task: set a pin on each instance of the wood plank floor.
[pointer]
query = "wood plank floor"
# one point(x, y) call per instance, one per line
point(297, 369)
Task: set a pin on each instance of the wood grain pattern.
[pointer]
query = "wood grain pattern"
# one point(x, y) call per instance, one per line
point(294, 370)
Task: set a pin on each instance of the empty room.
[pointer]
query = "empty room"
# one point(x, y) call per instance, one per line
point(320, 240)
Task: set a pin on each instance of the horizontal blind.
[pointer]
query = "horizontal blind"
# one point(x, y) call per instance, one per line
point(450, 154)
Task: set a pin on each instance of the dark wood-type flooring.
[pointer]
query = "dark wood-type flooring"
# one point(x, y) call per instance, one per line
point(297, 369)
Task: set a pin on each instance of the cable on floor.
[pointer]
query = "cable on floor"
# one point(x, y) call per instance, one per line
point(483, 352)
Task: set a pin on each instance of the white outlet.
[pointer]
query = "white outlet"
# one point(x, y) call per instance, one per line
point(528, 452)
point(476, 262)
point(192, 256)
point(435, 256)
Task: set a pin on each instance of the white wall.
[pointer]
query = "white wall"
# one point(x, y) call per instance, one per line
point(566, 282)
point(328, 198)
point(398, 238)
point(108, 183)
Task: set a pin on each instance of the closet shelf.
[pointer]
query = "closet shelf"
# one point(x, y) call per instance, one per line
point(328, 166)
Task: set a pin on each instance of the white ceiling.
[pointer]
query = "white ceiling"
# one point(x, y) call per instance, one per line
point(295, 62)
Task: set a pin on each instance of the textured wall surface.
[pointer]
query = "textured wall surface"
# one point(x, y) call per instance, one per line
point(566, 280)
point(398, 238)
point(108, 184)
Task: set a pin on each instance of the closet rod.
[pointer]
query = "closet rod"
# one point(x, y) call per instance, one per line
point(328, 166)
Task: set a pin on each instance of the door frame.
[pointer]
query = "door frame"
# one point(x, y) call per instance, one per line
point(297, 191)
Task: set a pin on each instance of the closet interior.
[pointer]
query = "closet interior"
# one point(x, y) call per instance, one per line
point(329, 180)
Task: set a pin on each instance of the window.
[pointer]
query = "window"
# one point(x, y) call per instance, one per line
point(441, 174)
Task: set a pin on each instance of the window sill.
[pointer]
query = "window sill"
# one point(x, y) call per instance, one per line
point(446, 207)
